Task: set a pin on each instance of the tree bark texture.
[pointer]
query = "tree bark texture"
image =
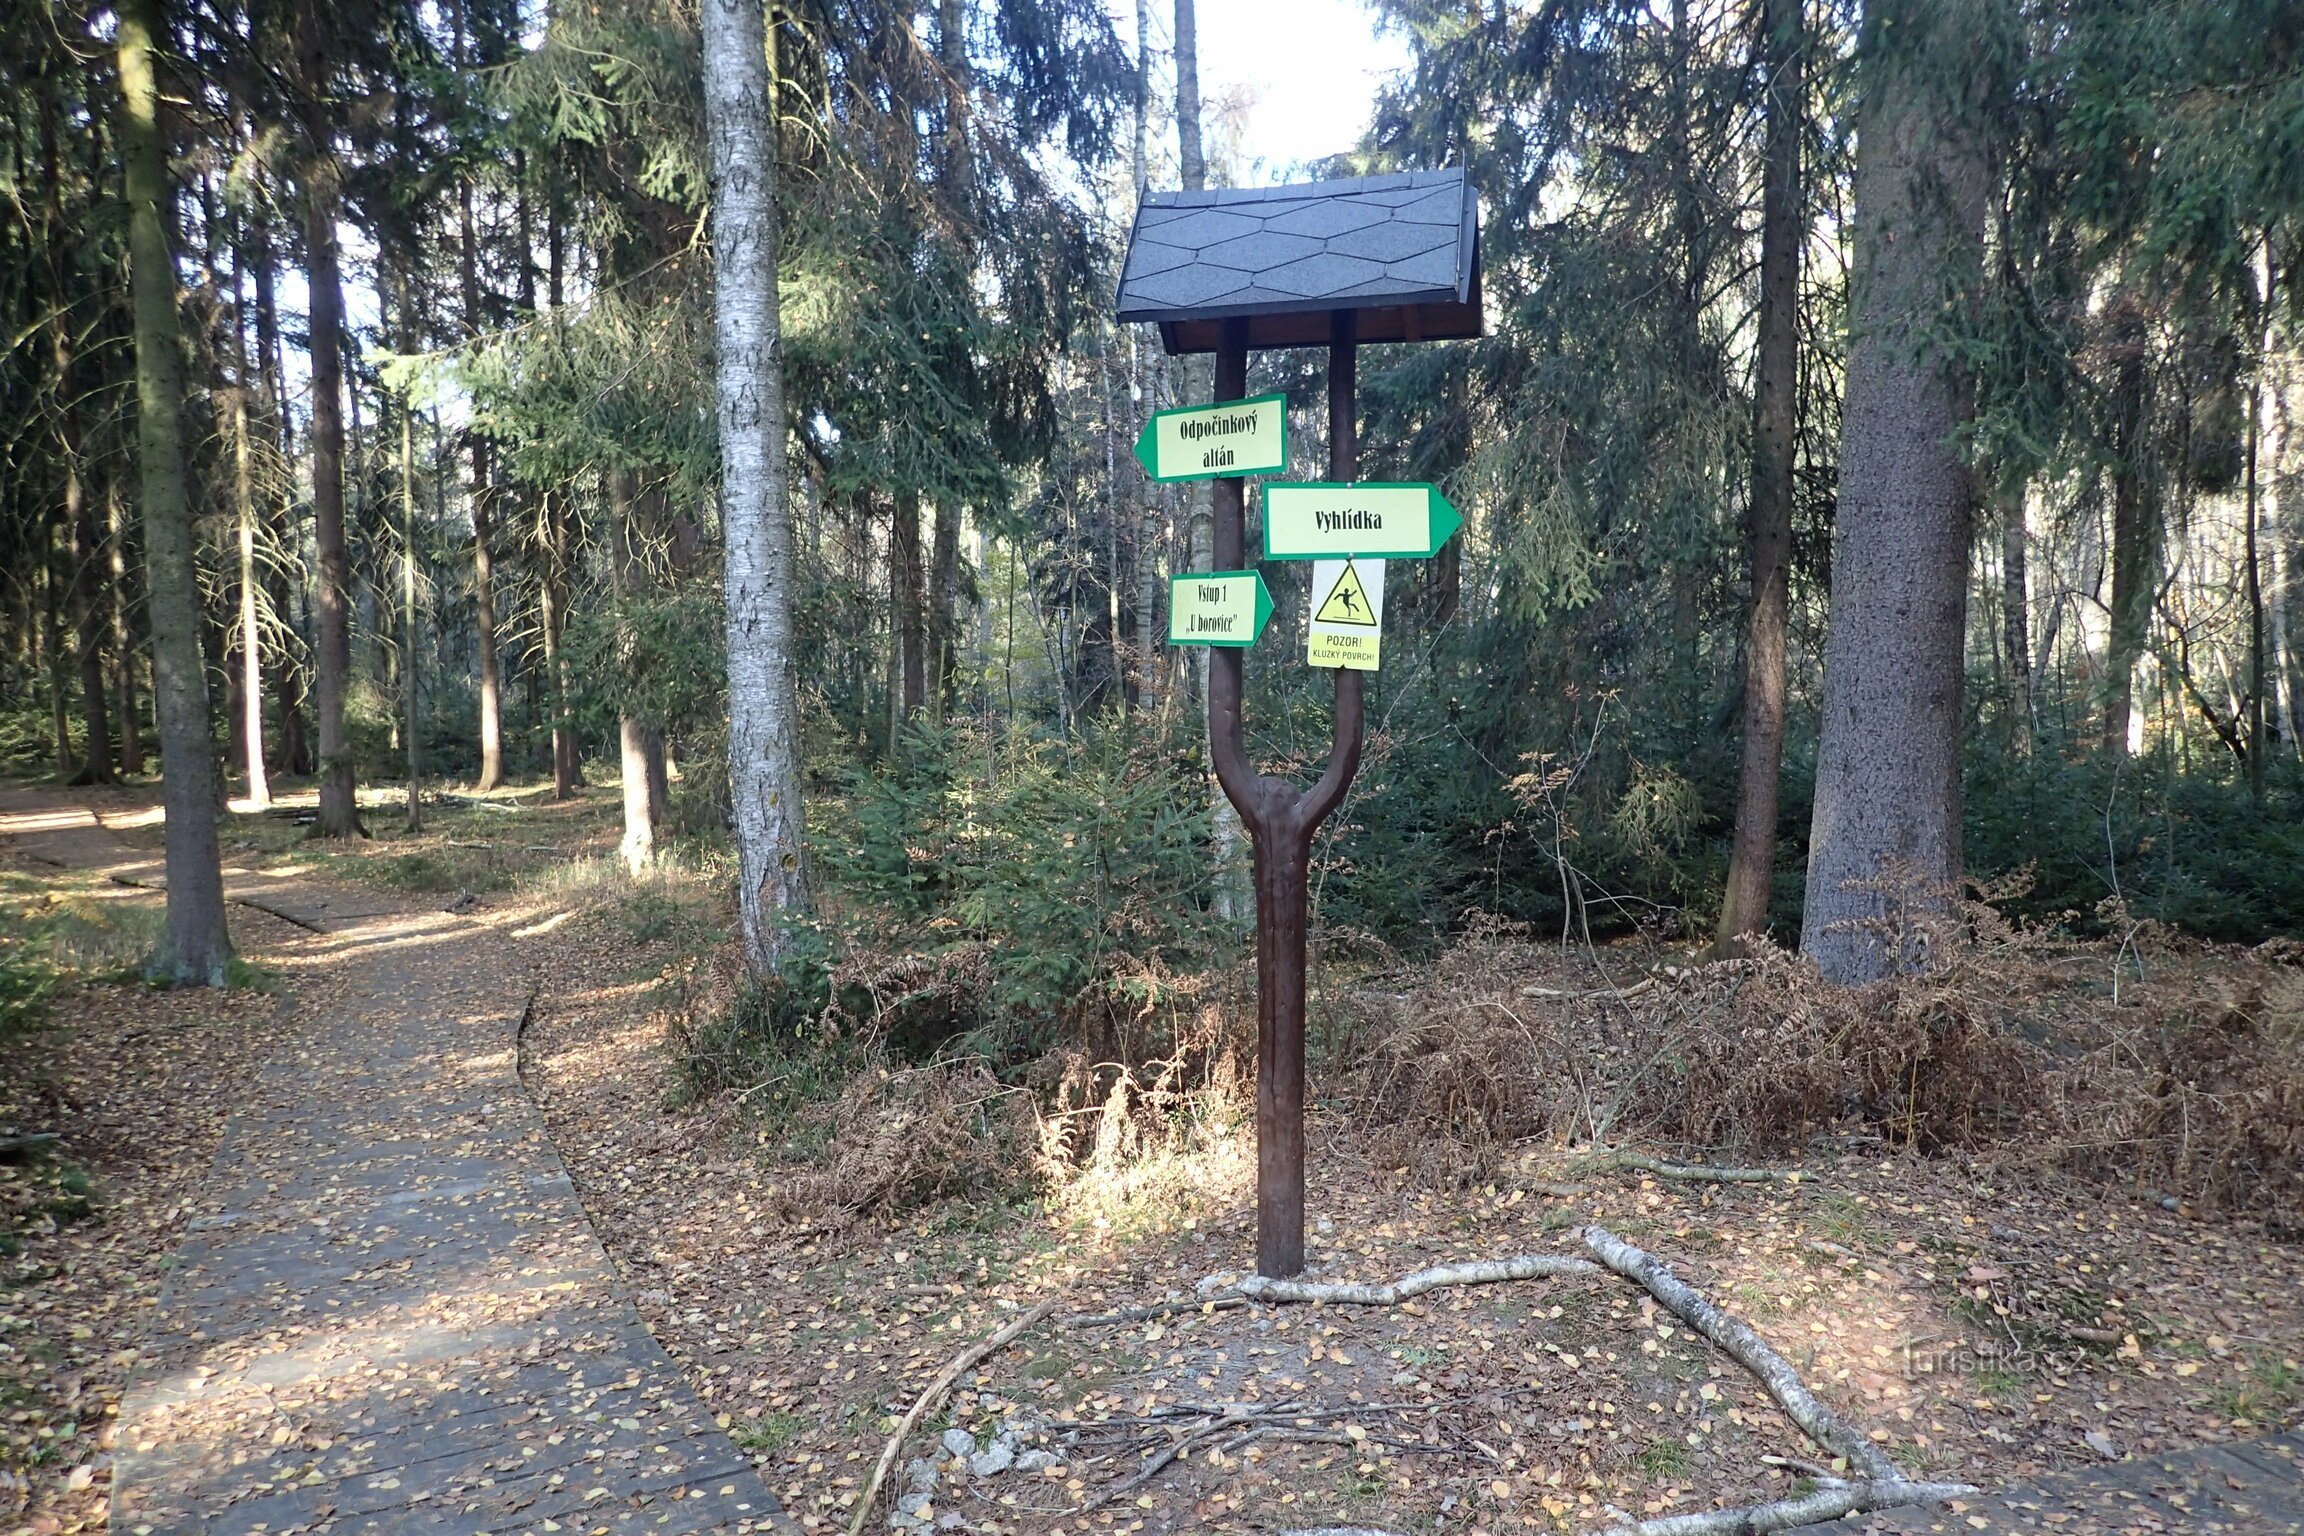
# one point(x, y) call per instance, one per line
point(904, 586)
point(123, 644)
point(1887, 805)
point(640, 743)
point(763, 701)
point(251, 692)
point(411, 667)
point(2016, 614)
point(197, 949)
point(2283, 502)
point(483, 512)
point(1752, 862)
point(95, 765)
point(1190, 161)
point(2133, 520)
point(339, 807)
point(943, 604)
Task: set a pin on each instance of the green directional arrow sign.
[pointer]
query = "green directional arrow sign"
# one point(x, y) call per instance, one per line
point(1209, 442)
point(1218, 608)
point(1370, 518)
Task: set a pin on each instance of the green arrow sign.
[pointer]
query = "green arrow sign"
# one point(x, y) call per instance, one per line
point(1210, 442)
point(1327, 522)
point(1219, 608)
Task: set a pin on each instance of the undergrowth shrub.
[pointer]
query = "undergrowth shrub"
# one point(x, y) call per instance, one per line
point(1007, 897)
point(2145, 1057)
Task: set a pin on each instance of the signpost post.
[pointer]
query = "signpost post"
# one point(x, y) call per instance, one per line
point(1268, 292)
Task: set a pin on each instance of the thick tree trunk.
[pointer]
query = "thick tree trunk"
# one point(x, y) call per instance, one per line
point(763, 703)
point(1191, 162)
point(483, 493)
point(197, 950)
point(2133, 524)
point(1886, 830)
point(339, 805)
point(1752, 863)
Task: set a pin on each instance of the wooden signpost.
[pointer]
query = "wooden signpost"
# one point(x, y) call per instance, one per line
point(1348, 529)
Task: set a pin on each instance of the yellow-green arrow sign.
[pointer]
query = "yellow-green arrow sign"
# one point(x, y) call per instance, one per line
point(1372, 518)
point(1209, 442)
point(1219, 608)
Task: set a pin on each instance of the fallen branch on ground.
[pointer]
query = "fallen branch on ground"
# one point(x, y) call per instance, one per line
point(1619, 994)
point(1161, 1309)
point(933, 1395)
point(1828, 1502)
point(1743, 1346)
point(1485, 1272)
point(282, 913)
point(1695, 1173)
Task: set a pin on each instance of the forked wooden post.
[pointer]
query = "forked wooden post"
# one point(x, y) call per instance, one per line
point(1281, 822)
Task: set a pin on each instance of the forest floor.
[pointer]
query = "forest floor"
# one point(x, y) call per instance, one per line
point(1984, 1323)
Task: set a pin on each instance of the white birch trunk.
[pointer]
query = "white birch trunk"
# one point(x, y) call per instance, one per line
point(763, 703)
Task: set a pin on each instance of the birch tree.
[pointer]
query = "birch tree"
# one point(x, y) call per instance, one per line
point(763, 704)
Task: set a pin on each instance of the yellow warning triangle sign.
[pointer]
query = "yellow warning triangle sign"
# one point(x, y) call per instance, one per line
point(1347, 601)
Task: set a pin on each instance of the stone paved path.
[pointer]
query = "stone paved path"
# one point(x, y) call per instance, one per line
point(395, 1316)
point(2254, 1487)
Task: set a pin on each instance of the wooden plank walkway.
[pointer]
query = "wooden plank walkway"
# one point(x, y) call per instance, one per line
point(396, 1316)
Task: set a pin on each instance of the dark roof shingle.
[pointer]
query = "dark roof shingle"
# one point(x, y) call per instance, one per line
point(1404, 248)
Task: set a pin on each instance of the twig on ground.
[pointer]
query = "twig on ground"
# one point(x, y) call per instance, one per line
point(1828, 1502)
point(932, 1395)
point(1161, 1309)
point(1743, 1346)
point(1160, 1459)
point(1485, 1272)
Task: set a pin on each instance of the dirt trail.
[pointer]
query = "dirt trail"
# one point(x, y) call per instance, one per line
point(394, 1314)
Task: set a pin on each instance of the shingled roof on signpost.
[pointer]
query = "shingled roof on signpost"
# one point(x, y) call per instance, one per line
point(1403, 251)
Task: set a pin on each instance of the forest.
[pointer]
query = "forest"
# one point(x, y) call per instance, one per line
point(1861, 702)
point(441, 298)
